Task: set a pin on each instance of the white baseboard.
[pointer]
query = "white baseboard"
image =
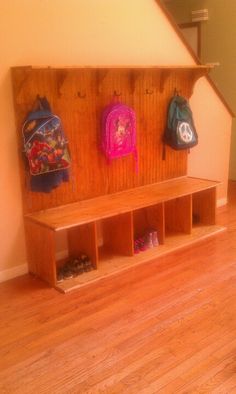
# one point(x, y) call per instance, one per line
point(221, 202)
point(22, 269)
point(13, 272)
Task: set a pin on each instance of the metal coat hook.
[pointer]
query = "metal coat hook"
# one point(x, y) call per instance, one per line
point(149, 91)
point(117, 94)
point(176, 92)
point(81, 95)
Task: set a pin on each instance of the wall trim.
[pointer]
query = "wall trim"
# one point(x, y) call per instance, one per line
point(13, 272)
point(22, 269)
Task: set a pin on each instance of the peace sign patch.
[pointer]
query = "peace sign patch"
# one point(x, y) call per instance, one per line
point(185, 132)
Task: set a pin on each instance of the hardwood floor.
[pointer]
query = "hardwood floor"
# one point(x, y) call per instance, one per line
point(165, 327)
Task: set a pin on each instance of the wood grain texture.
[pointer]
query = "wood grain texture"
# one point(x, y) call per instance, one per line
point(118, 235)
point(83, 240)
point(204, 207)
point(165, 327)
point(78, 96)
point(148, 219)
point(178, 215)
point(70, 215)
point(41, 251)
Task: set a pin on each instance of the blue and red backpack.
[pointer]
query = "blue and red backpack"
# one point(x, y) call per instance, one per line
point(45, 147)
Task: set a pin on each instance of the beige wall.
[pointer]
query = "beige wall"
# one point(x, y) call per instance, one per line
point(72, 32)
point(210, 160)
point(218, 45)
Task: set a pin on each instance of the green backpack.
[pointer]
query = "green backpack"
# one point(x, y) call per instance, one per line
point(180, 132)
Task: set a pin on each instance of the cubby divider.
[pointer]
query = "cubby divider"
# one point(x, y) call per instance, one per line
point(116, 236)
point(204, 207)
point(83, 240)
point(178, 215)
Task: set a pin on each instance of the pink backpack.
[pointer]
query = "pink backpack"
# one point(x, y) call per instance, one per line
point(119, 131)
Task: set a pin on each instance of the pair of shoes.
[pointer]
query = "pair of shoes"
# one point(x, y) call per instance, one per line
point(80, 265)
point(140, 245)
point(146, 242)
point(87, 264)
point(74, 267)
point(155, 240)
point(152, 239)
point(64, 272)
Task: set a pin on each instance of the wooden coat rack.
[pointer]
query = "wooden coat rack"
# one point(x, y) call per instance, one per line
point(112, 197)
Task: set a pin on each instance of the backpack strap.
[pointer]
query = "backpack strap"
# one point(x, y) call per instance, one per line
point(136, 160)
point(41, 109)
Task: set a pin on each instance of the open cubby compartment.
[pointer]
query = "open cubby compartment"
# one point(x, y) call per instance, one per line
point(178, 215)
point(148, 219)
point(204, 207)
point(82, 239)
point(115, 236)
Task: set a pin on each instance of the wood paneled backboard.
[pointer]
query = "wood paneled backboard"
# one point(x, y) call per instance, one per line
point(78, 96)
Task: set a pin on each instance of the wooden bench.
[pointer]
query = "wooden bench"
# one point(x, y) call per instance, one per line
point(181, 210)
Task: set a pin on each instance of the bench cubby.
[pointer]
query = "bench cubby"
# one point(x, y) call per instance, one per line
point(82, 239)
point(148, 219)
point(178, 215)
point(204, 207)
point(116, 235)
